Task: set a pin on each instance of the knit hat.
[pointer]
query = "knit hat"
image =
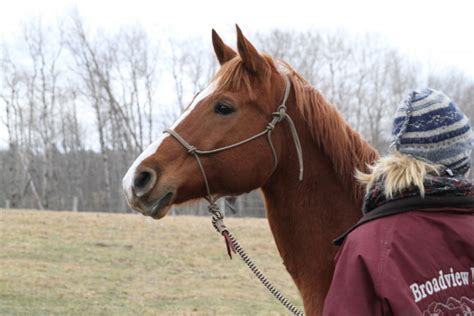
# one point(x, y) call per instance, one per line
point(431, 127)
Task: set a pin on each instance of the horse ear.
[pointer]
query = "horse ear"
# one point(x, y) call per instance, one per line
point(252, 59)
point(223, 52)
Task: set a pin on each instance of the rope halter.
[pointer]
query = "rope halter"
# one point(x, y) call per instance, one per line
point(278, 116)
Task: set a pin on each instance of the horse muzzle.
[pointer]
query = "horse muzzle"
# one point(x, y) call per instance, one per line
point(160, 207)
point(141, 195)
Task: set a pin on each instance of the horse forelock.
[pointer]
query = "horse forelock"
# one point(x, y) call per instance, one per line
point(233, 76)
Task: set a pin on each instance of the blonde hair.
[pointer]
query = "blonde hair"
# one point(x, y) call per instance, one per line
point(399, 172)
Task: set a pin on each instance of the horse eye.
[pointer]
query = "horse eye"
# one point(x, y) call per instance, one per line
point(223, 109)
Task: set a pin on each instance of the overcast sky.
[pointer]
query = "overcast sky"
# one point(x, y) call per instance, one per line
point(436, 32)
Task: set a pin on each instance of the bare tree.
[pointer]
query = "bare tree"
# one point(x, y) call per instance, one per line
point(78, 106)
point(191, 69)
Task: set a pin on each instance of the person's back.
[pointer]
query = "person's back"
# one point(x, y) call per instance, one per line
point(413, 263)
point(412, 253)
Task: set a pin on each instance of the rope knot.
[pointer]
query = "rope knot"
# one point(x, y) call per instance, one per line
point(192, 150)
point(217, 217)
point(270, 126)
point(219, 225)
point(280, 114)
point(214, 210)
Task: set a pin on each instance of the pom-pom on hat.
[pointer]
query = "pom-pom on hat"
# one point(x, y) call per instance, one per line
point(430, 126)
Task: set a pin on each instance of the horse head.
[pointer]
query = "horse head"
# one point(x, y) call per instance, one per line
point(237, 104)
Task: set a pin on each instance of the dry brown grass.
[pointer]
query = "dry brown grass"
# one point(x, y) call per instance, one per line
point(126, 264)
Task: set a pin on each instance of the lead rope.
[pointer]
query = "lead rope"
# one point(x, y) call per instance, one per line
point(232, 244)
point(217, 216)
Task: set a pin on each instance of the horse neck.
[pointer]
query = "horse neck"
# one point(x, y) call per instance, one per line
point(305, 216)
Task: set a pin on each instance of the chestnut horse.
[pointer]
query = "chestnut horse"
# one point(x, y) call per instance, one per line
point(305, 215)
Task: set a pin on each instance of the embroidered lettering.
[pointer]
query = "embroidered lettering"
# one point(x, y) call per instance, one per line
point(442, 282)
point(452, 277)
point(435, 285)
point(458, 278)
point(415, 289)
point(429, 288)
point(465, 278)
point(447, 278)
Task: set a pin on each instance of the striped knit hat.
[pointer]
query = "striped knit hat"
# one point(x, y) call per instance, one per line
point(430, 126)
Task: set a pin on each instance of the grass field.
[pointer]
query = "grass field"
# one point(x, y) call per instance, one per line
point(64, 263)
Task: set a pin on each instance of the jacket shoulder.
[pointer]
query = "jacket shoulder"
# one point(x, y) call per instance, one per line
point(372, 237)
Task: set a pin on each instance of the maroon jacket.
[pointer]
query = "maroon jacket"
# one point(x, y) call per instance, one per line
point(413, 258)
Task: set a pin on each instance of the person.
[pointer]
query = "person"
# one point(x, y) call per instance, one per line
point(412, 252)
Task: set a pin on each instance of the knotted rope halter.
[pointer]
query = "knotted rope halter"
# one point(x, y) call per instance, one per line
point(217, 217)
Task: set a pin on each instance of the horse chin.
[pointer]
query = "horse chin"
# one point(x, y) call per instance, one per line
point(160, 207)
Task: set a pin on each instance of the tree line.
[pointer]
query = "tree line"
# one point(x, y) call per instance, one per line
point(79, 105)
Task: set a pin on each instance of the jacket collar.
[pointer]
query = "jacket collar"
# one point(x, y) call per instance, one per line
point(450, 204)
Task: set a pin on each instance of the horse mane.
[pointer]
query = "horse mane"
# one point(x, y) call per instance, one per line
point(347, 150)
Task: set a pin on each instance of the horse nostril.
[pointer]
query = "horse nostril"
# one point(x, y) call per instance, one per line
point(144, 182)
point(142, 179)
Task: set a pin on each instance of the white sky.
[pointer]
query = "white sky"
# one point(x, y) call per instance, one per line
point(438, 33)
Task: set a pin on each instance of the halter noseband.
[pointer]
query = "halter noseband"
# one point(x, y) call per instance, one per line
point(278, 116)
